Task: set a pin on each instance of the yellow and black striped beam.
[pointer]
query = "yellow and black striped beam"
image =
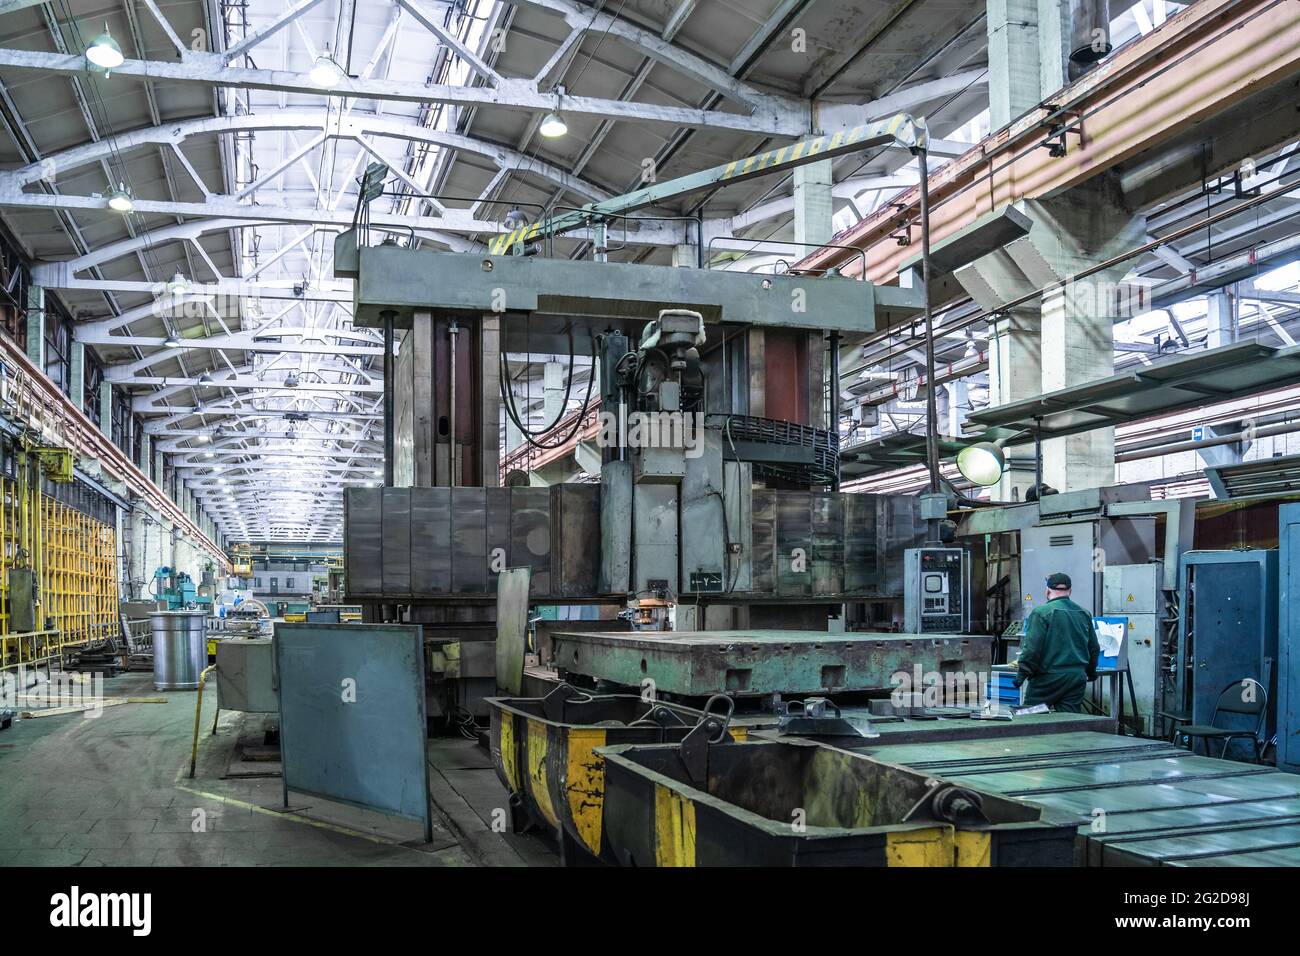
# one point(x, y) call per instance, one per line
point(901, 130)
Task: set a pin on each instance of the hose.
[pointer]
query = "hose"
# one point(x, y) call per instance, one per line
point(198, 711)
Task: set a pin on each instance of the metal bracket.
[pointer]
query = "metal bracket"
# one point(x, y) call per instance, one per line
point(1056, 144)
point(710, 729)
point(553, 704)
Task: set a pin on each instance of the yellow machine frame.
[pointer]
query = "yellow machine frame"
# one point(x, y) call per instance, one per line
point(75, 560)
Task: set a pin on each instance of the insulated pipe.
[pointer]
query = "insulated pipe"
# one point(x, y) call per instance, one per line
point(1284, 428)
point(931, 402)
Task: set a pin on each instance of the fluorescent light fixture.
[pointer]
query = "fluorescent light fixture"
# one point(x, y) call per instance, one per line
point(982, 463)
point(325, 72)
point(119, 200)
point(104, 52)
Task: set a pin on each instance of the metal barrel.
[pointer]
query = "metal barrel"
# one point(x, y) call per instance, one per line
point(179, 649)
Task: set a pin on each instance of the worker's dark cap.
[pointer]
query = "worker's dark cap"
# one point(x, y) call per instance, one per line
point(1059, 581)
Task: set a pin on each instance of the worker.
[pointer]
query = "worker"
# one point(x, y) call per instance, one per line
point(1058, 655)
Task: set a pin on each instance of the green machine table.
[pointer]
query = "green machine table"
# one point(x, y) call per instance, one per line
point(1138, 802)
point(703, 663)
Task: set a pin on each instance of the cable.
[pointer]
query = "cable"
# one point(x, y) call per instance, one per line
point(507, 401)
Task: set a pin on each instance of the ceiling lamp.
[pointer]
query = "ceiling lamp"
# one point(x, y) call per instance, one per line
point(982, 463)
point(553, 125)
point(205, 379)
point(104, 53)
point(325, 73)
point(172, 342)
point(291, 380)
point(178, 286)
point(119, 200)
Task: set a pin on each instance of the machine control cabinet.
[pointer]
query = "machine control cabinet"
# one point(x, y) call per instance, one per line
point(936, 591)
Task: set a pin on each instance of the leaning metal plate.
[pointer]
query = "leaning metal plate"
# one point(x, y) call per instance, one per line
point(512, 623)
point(352, 716)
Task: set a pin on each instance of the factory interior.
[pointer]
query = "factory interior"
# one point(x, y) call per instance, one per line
point(610, 434)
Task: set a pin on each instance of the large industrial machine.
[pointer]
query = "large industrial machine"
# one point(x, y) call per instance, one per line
point(717, 507)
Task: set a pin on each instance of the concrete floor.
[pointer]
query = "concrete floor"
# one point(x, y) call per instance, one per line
point(114, 791)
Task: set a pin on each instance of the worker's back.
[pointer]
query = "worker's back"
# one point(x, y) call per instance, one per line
point(1067, 636)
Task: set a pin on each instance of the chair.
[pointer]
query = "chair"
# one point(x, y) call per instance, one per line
point(1232, 700)
point(1174, 718)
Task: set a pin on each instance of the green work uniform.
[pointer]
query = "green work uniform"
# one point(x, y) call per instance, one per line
point(1058, 655)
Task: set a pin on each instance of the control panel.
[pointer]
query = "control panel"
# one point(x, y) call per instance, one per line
point(936, 591)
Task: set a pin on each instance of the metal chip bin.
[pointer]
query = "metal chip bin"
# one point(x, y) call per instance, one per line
point(180, 650)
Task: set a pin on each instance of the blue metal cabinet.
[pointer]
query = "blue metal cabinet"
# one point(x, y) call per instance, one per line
point(1288, 677)
point(1228, 631)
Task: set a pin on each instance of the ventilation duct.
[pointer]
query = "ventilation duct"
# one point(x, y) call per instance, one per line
point(1089, 34)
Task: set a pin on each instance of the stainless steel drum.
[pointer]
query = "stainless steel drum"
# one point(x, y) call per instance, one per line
point(180, 649)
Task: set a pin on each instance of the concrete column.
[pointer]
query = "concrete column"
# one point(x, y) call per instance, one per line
point(552, 391)
point(1220, 324)
point(958, 405)
point(813, 204)
point(685, 256)
point(77, 374)
point(1015, 361)
point(514, 437)
point(36, 326)
point(1085, 226)
point(106, 408)
point(146, 455)
point(158, 468)
point(1053, 45)
point(1014, 76)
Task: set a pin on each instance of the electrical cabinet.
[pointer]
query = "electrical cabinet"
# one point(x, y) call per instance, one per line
point(1228, 631)
point(1133, 592)
point(1083, 550)
point(936, 591)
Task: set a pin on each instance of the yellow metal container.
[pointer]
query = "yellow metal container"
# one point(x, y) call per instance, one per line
point(550, 765)
point(806, 804)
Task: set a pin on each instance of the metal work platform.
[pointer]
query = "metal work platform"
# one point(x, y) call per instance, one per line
point(702, 663)
point(1165, 387)
point(1138, 802)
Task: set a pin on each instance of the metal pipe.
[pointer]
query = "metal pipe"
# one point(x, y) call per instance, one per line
point(1089, 28)
point(835, 397)
point(453, 455)
point(388, 315)
point(1038, 456)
